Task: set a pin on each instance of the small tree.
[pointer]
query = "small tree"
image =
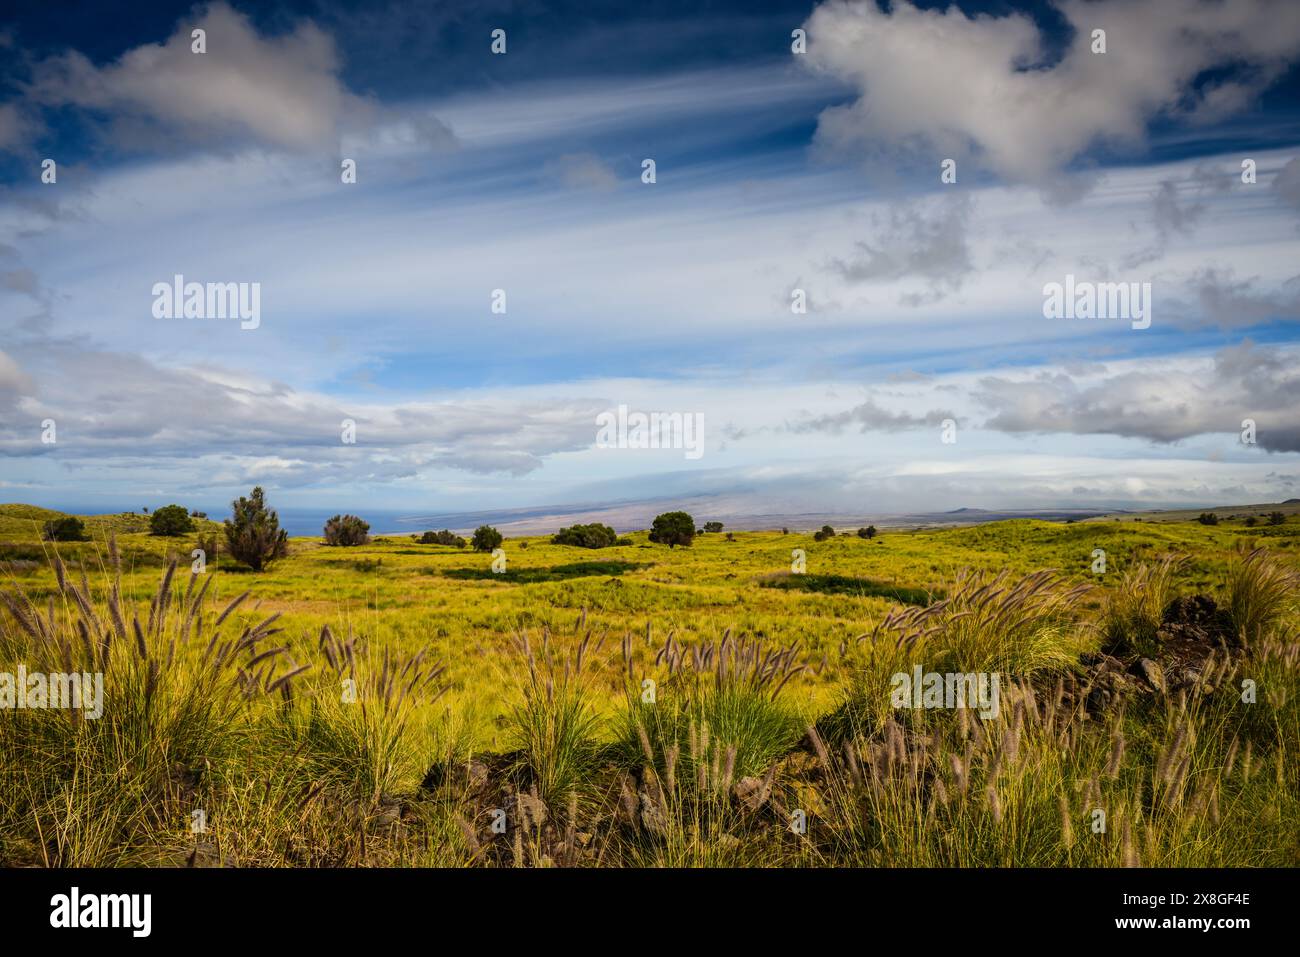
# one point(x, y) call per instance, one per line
point(1276, 518)
point(253, 532)
point(347, 530)
point(868, 532)
point(672, 529)
point(171, 520)
point(1251, 521)
point(66, 529)
point(713, 527)
point(485, 539)
point(825, 533)
point(1208, 518)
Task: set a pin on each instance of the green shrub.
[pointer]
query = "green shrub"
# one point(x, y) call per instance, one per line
point(445, 537)
point(66, 529)
point(594, 535)
point(171, 520)
point(672, 529)
point(485, 539)
point(346, 530)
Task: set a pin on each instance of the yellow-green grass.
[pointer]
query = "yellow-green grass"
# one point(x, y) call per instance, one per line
point(404, 595)
point(308, 779)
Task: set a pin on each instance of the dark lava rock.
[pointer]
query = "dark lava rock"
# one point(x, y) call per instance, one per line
point(469, 777)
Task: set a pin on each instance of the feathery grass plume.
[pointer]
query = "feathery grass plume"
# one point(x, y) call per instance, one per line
point(1178, 785)
point(995, 764)
point(1053, 705)
point(1011, 744)
point(1261, 593)
point(1176, 749)
point(1092, 793)
point(1230, 759)
point(728, 768)
point(958, 771)
point(1128, 851)
point(819, 746)
point(235, 603)
point(140, 645)
point(995, 803)
point(1067, 826)
point(1116, 760)
point(897, 750)
point(646, 747)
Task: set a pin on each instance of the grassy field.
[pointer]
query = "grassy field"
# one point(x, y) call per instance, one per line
point(430, 700)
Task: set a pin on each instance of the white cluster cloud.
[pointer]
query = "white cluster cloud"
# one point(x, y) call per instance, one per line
point(280, 91)
point(951, 84)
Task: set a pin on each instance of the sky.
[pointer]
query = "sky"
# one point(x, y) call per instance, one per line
point(840, 270)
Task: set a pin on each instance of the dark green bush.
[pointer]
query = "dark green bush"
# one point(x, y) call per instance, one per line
point(445, 537)
point(485, 539)
point(171, 520)
point(594, 535)
point(66, 529)
point(347, 530)
point(673, 528)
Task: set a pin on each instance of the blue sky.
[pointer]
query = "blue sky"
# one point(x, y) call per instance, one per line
point(776, 172)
